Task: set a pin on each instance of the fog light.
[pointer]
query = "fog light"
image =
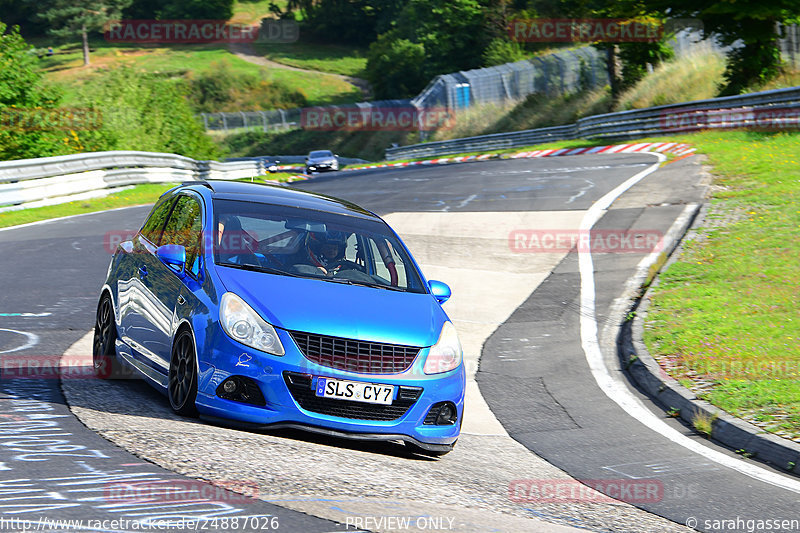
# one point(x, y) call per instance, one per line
point(442, 414)
point(241, 389)
point(446, 416)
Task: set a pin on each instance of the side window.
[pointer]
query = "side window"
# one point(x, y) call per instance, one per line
point(381, 268)
point(155, 222)
point(184, 227)
point(351, 249)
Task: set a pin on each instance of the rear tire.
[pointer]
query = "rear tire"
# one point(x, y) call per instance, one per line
point(104, 353)
point(182, 385)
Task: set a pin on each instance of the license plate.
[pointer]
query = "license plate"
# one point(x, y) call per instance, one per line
point(355, 391)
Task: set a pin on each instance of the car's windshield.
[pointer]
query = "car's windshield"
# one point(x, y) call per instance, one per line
point(314, 244)
point(321, 153)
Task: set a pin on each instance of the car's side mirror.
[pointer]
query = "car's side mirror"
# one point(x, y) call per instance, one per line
point(440, 290)
point(173, 255)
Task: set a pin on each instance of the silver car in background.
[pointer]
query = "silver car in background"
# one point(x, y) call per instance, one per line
point(321, 161)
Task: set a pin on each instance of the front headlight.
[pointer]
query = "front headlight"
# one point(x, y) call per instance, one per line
point(446, 354)
point(243, 324)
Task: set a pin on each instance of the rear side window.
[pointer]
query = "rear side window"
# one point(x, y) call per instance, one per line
point(184, 227)
point(154, 224)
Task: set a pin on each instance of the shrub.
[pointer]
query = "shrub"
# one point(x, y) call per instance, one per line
point(143, 111)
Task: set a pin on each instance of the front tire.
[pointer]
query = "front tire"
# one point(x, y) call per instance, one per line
point(104, 354)
point(182, 386)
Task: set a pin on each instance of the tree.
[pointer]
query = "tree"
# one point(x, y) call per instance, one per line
point(440, 37)
point(143, 111)
point(357, 22)
point(752, 23)
point(180, 9)
point(69, 18)
point(395, 67)
point(23, 96)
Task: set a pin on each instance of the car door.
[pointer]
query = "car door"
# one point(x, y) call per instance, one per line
point(166, 284)
point(133, 295)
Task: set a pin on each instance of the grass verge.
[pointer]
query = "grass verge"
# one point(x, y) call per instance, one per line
point(724, 319)
point(139, 195)
point(336, 59)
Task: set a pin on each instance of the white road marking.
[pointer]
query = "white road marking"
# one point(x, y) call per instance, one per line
point(614, 388)
point(583, 190)
point(49, 220)
point(467, 200)
point(31, 340)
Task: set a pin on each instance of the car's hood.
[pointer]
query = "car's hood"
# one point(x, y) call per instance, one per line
point(337, 309)
point(321, 160)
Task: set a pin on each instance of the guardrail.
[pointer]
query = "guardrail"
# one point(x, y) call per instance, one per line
point(770, 110)
point(50, 180)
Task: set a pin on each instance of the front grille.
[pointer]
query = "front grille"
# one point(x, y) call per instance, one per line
point(354, 355)
point(300, 387)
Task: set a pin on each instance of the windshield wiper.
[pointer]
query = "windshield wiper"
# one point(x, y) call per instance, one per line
point(259, 268)
point(349, 281)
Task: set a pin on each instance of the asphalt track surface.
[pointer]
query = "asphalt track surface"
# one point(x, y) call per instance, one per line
point(533, 373)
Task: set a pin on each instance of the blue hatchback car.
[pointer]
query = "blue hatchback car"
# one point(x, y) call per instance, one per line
point(274, 307)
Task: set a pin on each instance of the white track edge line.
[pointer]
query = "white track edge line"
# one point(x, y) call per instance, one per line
point(615, 389)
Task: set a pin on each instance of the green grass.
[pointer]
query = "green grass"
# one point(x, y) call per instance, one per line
point(66, 68)
point(337, 59)
point(536, 111)
point(693, 77)
point(704, 423)
point(138, 195)
point(252, 12)
point(727, 312)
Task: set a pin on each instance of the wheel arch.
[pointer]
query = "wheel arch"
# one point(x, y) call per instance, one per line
point(186, 325)
point(106, 290)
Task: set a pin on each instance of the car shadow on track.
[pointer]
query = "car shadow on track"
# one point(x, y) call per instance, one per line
point(131, 404)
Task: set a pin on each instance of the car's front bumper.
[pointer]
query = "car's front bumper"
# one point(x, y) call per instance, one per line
point(322, 167)
point(283, 404)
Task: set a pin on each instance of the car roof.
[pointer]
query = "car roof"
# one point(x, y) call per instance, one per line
point(280, 195)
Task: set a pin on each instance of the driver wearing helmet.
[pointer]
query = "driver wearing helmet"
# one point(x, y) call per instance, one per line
point(326, 251)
